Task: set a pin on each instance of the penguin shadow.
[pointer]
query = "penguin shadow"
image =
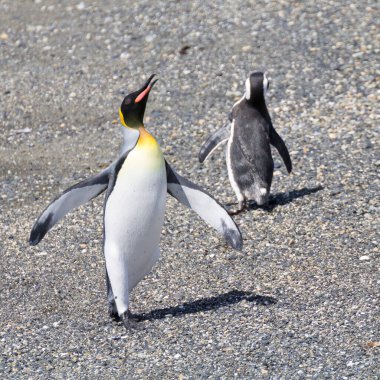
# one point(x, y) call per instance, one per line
point(207, 304)
point(281, 199)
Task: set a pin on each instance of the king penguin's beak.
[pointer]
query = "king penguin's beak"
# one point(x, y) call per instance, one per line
point(145, 89)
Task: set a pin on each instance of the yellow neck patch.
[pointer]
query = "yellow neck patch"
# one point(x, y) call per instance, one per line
point(146, 157)
point(122, 118)
point(146, 139)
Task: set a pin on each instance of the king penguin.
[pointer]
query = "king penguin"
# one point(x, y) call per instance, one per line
point(136, 185)
point(249, 134)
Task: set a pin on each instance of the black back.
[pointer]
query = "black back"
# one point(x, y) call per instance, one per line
point(257, 90)
point(251, 156)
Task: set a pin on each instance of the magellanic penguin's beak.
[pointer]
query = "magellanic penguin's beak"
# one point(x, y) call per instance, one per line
point(144, 90)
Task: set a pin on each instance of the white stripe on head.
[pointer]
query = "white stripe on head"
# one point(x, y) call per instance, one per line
point(265, 84)
point(248, 89)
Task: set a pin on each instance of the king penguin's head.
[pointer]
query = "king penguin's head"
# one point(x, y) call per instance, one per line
point(132, 108)
point(256, 86)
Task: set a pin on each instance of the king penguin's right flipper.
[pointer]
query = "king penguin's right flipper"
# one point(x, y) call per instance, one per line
point(71, 198)
point(278, 143)
point(194, 197)
point(213, 141)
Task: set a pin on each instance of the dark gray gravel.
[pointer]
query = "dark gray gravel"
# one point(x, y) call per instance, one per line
point(302, 299)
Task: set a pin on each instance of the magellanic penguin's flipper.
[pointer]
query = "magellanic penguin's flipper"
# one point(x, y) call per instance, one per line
point(279, 144)
point(194, 197)
point(71, 198)
point(213, 141)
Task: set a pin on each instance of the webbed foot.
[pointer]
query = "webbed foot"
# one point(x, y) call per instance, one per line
point(130, 321)
point(241, 207)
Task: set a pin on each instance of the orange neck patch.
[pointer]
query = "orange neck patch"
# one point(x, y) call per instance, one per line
point(146, 139)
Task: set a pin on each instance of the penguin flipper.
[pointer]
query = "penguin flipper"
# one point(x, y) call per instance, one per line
point(279, 144)
point(213, 141)
point(71, 198)
point(212, 212)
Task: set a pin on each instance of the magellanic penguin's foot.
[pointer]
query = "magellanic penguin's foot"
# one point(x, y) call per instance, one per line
point(241, 207)
point(253, 205)
point(130, 321)
point(266, 207)
point(112, 311)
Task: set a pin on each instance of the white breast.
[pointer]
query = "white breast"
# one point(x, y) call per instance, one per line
point(231, 175)
point(133, 220)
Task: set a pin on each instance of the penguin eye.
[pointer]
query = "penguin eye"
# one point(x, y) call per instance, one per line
point(127, 101)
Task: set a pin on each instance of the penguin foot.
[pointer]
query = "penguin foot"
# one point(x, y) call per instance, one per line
point(253, 205)
point(130, 321)
point(241, 207)
point(112, 311)
point(235, 211)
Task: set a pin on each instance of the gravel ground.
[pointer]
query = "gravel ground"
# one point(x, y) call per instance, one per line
point(301, 301)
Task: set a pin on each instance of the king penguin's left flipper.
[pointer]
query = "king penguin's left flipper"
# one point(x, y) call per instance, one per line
point(194, 197)
point(278, 143)
point(71, 198)
point(213, 141)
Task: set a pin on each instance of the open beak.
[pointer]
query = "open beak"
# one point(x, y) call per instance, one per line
point(145, 89)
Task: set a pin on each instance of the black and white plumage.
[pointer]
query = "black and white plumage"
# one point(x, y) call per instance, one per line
point(136, 184)
point(249, 136)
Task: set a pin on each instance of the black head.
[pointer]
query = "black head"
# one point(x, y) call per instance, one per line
point(256, 86)
point(132, 108)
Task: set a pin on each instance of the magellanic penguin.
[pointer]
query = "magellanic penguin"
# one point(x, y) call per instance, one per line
point(136, 183)
point(249, 135)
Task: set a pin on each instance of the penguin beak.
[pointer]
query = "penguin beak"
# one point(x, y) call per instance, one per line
point(144, 91)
